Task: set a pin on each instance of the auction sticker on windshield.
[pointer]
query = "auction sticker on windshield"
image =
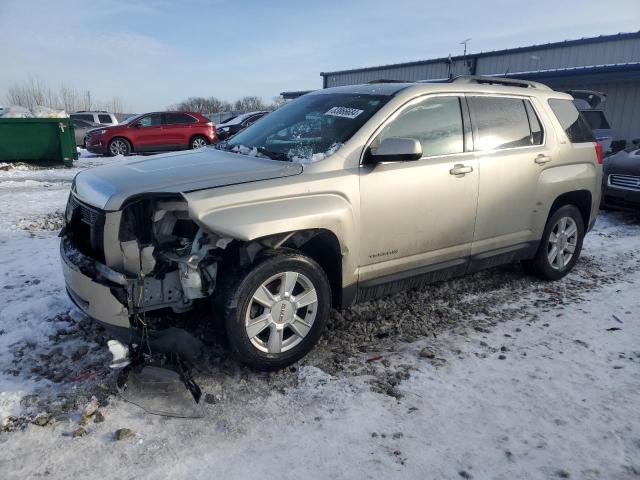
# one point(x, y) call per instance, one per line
point(344, 112)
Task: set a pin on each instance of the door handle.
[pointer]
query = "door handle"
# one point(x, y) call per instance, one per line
point(542, 159)
point(460, 169)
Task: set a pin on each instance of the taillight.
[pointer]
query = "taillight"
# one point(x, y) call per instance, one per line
point(599, 154)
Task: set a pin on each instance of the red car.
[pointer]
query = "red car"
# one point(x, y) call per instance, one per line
point(153, 132)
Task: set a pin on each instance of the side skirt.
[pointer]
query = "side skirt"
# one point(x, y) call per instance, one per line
point(420, 277)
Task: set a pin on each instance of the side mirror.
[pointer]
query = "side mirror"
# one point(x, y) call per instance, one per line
point(396, 149)
point(137, 125)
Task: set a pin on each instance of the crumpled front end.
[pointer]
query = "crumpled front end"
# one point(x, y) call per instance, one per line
point(132, 270)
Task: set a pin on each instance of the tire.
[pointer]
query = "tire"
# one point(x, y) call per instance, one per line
point(118, 146)
point(198, 141)
point(266, 328)
point(548, 266)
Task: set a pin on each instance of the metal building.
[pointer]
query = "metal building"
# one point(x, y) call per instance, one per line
point(608, 63)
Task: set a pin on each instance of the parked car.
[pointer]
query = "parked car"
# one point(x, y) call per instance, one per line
point(232, 125)
point(99, 116)
point(621, 184)
point(152, 132)
point(590, 103)
point(81, 127)
point(343, 195)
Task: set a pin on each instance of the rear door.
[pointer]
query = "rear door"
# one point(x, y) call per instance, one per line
point(177, 128)
point(149, 135)
point(511, 151)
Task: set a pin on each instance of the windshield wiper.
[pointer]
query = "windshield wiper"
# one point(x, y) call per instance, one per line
point(273, 155)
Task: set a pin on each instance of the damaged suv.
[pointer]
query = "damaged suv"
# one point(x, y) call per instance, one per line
point(343, 195)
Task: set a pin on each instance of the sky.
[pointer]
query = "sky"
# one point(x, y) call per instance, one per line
point(154, 53)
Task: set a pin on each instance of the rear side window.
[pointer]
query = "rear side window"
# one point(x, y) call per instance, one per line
point(596, 119)
point(83, 116)
point(173, 118)
point(102, 118)
point(436, 123)
point(573, 123)
point(501, 122)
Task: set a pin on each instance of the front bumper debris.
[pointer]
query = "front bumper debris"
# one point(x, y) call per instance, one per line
point(101, 293)
point(94, 297)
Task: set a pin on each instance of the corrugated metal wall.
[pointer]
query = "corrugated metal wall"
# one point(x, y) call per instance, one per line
point(571, 54)
point(623, 97)
point(616, 51)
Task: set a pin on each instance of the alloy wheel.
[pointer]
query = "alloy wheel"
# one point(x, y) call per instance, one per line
point(281, 312)
point(198, 143)
point(562, 243)
point(118, 147)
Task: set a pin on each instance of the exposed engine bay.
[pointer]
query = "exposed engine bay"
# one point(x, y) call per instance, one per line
point(150, 263)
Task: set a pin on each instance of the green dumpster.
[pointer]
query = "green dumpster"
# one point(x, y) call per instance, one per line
point(37, 139)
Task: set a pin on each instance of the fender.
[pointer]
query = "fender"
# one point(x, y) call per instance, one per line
point(246, 215)
point(559, 180)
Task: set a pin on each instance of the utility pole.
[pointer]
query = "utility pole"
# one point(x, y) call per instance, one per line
point(464, 54)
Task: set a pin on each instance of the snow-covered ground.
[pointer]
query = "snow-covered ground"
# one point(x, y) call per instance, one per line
point(492, 376)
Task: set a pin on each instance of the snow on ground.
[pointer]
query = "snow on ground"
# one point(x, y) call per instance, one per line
point(492, 376)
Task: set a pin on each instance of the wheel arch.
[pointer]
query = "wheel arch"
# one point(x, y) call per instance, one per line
point(320, 245)
point(581, 199)
point(198, 135)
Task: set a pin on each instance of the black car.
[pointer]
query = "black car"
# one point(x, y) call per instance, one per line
point(232, 125)
point(621, 180)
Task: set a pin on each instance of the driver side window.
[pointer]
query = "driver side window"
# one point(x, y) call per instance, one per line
point(436, 123)
point(151, 120)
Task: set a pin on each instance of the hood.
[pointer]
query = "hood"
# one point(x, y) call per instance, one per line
point(107, 187)
point(624, 163)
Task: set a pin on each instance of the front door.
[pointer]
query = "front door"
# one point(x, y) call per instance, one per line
point(419, 216)
point(149, 134)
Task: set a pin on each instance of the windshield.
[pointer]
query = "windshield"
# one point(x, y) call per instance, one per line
point(309, 128)
point(128, 119)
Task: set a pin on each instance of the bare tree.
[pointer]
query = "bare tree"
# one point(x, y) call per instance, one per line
point(249, 104)
point(202, 105)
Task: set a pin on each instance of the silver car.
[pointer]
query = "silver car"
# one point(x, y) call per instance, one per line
point(343, 195)
point(81, 127)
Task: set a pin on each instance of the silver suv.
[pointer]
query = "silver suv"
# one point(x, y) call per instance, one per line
point(99, 116)
point(343, 195)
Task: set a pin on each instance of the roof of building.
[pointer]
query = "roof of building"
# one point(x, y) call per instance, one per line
point(544, 46)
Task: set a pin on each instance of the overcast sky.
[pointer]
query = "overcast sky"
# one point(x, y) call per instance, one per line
point(153, 53)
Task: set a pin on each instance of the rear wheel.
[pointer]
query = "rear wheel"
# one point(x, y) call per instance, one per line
point(198, 142)
point(560, 246)
point(276, 311)
point(119, 146)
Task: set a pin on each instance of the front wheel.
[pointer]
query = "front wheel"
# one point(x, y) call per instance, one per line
point(560, 246)
point(119, 146)
point(276, 311)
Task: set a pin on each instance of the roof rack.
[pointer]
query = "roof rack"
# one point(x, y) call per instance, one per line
point(507, 82)
point(91, 111)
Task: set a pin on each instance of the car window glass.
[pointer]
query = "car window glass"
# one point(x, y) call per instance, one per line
point(80, 123)
point(534, 124)
point(573, 123)
point(173, 118)
point(83, 116)
point(596, 119)
point(150, 120)
point(499, 123)
point(436, 123)
point(102, 118)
